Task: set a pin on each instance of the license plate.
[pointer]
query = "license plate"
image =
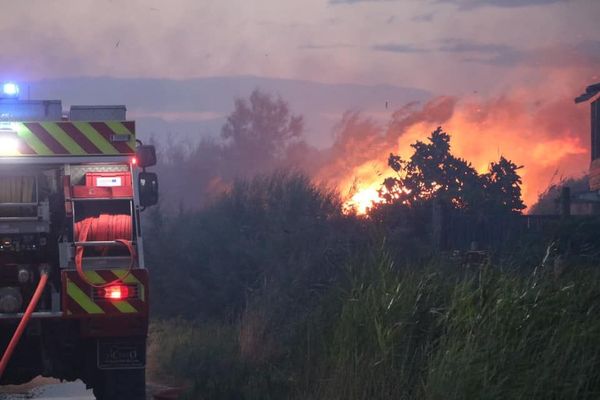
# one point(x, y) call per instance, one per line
point(121, 354)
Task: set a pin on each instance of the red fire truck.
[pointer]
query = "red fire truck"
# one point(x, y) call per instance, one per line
point(73, 286)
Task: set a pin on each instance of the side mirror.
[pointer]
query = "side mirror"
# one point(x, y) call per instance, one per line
point(146, 155)
point(148, 187)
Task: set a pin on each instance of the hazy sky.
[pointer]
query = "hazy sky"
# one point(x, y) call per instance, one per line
point(445, 46)
point(512, 68)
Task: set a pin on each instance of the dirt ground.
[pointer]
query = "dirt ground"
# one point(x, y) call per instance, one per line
point(52, 389)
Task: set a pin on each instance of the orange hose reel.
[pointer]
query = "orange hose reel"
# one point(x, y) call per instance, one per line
point(105, 227)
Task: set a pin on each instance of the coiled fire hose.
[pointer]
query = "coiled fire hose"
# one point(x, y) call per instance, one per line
point(106, 227)
point(24, 321)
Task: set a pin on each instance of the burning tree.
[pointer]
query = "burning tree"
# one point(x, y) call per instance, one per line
point(433, 172)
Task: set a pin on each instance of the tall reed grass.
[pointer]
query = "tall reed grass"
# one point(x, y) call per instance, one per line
point(427, 332)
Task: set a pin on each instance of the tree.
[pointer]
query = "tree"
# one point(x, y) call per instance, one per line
point(259, 132)
point(503, 186)
point(433, 172)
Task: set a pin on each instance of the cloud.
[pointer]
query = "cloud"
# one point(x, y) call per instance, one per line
point(428, 17)
point(471, 4)
point(400, 48)
point(358, 1)
point(584, 53)
point(485, 53)
point(450, 46)
point(178, 116)
point(466, 46)
point(581, 54)
point(311, 46)
point(463, 4)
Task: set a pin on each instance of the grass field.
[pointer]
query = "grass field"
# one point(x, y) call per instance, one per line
point(389, 332)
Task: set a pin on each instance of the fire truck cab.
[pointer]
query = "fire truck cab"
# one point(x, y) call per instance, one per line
point(73, 284)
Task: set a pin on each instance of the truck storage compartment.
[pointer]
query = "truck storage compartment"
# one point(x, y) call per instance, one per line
point(18, 196)
point(105, 185)
point(108, 179)
point(17, 189)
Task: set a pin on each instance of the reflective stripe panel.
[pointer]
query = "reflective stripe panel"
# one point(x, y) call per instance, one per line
point(77, 138)
point(96, 138)
point(121, 305)
point(83, 299)
point(65, 140)
point(32, 140)
point(120, 129)
point(124, 307)
point(79, 300)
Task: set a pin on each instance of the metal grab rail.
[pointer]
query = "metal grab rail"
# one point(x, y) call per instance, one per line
point(37, 314)
point(99, 243)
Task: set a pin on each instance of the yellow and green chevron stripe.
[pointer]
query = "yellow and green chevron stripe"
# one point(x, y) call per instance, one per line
point(74, 138)
point(79, 299)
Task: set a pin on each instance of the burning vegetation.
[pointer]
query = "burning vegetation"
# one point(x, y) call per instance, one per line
point(432, 172)
point(547, 136)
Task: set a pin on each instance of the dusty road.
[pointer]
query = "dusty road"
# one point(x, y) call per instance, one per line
point(51, 389)
point(48, 391)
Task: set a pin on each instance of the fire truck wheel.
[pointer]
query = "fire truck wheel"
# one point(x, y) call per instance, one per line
point(121, 384)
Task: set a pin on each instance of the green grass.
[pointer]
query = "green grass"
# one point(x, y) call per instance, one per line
point(519, 338)
point(435, 332)
point(206, 358)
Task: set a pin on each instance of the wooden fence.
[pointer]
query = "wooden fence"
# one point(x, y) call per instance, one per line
point(459, 231)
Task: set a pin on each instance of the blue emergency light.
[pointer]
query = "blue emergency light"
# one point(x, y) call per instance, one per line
point(10, 89)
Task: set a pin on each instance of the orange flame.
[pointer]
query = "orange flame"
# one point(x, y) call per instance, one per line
point(545, 136)
point(363, 200)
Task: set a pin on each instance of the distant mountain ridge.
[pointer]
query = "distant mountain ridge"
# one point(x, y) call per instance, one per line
point(197, 107)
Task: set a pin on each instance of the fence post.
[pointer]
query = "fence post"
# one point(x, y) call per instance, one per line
point(437, 225)
point(565, 201)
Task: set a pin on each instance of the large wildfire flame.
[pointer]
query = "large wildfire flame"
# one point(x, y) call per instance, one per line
point(549, 137)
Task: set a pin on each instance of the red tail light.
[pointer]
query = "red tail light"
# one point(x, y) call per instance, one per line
point(116, 292)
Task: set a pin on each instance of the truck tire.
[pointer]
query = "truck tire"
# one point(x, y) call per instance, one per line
point(121, 384)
